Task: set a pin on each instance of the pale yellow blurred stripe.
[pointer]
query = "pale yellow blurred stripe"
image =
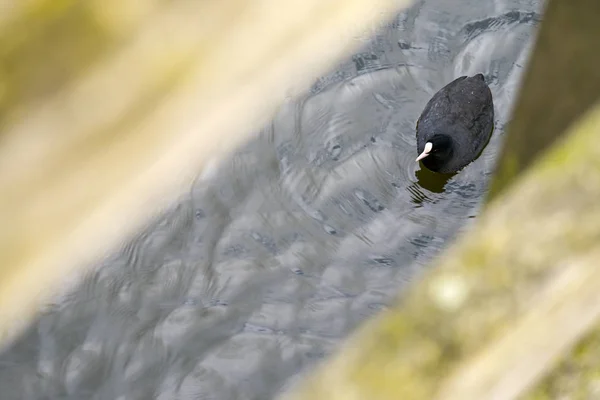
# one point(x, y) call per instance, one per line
point(84, 168)
point(119, 14)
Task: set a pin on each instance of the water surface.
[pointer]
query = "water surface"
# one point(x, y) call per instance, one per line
point(282, 250)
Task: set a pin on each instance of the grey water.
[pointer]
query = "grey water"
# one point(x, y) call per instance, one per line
point(279, 252)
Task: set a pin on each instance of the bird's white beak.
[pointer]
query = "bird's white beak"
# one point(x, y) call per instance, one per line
point(426, 150)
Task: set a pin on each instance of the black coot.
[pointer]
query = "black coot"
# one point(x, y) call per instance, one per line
point(455, 125)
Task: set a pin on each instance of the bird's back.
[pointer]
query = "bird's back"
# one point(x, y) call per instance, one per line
point(462, 109)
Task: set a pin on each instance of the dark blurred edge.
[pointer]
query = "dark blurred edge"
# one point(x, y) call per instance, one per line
point(561, 83)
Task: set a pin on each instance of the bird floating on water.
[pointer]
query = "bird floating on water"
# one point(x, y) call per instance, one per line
point(455, 125)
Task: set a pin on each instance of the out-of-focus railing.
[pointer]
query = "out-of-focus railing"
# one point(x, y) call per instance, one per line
point(108, 109)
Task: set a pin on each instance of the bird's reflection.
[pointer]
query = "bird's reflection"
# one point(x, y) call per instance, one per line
point(430, 181)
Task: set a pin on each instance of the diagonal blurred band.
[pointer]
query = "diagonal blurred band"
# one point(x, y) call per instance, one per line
point(147, 100)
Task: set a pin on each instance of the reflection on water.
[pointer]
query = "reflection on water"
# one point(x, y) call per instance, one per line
point(427, 181)
point(432, 181)
point(287, 246)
